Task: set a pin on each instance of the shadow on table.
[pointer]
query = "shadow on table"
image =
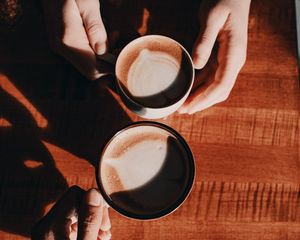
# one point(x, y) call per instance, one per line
point(128, 20)
point(29, 179)
point(81, 116)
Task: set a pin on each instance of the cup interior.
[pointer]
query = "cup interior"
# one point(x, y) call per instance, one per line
point(145, 171)
point(154, 71)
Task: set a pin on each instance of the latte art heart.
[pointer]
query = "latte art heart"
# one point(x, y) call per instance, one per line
point(151, 73)
point(138, 164)
point(144, 170)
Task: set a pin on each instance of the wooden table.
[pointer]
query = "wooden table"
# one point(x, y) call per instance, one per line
point(53, 123)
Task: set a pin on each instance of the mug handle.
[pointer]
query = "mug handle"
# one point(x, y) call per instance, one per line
point(108, 58)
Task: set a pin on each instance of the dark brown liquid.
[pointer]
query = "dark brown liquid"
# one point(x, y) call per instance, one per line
point(163, 192)
point(166, 95)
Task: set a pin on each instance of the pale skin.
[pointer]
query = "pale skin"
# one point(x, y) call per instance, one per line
point(77, 32)
point(78, 215)
point(225, 22)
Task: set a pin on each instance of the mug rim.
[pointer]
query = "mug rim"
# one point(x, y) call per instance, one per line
point(191, 81)
point(173, 207)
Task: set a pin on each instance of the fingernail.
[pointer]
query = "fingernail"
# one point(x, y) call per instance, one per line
point(105, 235)
point(93, 198)
point(100, 48)
point(108, 235)
point(199, 62)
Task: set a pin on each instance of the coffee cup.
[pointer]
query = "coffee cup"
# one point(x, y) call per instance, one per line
point(145, 171)
point(154, 76)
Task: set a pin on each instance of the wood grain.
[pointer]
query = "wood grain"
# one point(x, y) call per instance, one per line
point(53, 123)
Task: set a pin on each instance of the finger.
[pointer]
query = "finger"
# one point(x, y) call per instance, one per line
point(232, 56)
point(90, 215)
point(68, 37)
point(208, 98)
point(203, 80)
point(74, 229)
point(105, 235)
point(84, 59)
point(59, 218)
point(91, 17)
point(210, 28)
point(105, 224)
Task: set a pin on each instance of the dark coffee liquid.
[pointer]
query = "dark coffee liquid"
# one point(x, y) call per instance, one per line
point(160, 194)
point(163, 191)
point(154, 71)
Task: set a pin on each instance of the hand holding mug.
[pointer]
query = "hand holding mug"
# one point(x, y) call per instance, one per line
point(77, 33)
point(77, 215)
point(224, 21)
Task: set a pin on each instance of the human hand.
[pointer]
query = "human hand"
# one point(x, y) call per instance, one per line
point(224, 21)
point(77, 33)
point(77, 215)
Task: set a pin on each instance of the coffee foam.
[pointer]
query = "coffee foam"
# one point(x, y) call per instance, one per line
point(144, 170)
point(153, 71)
point(129, 153)
point(159, 74)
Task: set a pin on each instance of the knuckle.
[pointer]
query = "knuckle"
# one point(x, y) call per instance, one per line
point(205, 38)
point(94, 27)
point(220, 9)
point(90, 220)
point(216, 12)
point(106, 227)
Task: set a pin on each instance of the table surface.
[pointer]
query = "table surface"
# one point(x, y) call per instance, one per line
point(53, 123)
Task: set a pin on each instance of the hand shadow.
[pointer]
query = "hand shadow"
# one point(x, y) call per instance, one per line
point(81, 114)
point(128, 20)
point(29, 180)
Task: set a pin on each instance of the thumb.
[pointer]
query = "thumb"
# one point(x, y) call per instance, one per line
point(90, 215)
point(94, 27)
point(210, 28)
